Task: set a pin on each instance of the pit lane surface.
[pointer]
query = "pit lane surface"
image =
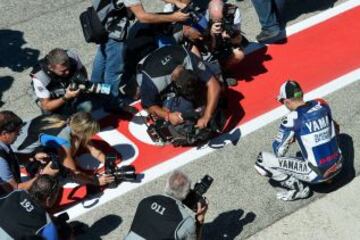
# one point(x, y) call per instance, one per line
point(237, 191)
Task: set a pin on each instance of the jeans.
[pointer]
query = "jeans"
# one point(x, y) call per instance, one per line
point(269, 12)
point(108, 65)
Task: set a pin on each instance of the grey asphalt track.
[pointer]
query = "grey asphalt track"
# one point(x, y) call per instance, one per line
point(241, 202)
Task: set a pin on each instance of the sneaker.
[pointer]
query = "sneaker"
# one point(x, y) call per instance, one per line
point(269, 37)
point(291, 195)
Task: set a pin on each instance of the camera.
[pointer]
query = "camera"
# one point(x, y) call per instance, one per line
point(79, 81)
point(159, 131)
point(196, 194)
point(121, 174)
point(33, 167)
point(197, 19)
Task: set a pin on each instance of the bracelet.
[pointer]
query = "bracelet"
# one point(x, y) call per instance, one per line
point(167, 118)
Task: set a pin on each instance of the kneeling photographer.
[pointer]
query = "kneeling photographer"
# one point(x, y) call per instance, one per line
point(225, 41)
point(59, 82)
point(169, 216)
point(178, 89)
point(62, 138)
point(24, 213)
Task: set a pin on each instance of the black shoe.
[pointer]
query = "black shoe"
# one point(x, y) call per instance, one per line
point(269, 37)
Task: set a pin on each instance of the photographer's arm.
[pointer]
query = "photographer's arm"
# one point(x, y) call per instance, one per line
point(146, 17)
point(200, 219)
point(52, 104)
point(79, 176)
point(213, 93)
point(95, 152)
point(173, 117)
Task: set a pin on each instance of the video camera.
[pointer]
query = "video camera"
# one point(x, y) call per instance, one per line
point(196, 194)
point(79, 81)
point(121, 174)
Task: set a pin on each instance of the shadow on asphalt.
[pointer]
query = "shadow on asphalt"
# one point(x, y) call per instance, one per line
point(294, 8)
point(100, 228)
point(5, 84)
point(228, 225)
point(347, 174)
point(13, 55)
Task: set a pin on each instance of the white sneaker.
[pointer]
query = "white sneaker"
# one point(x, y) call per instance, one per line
point(291, 195)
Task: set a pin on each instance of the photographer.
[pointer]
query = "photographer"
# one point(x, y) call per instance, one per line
point(26, 211)
point(117, 18)
point(173, 82)
point(225, 37)
point(51, 78)
point(63, 138)
point(165, 216)
point(10, 128)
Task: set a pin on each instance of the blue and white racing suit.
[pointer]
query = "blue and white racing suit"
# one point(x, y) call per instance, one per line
point(313, 128)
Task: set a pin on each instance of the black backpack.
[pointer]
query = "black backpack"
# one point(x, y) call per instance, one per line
point(94, 31)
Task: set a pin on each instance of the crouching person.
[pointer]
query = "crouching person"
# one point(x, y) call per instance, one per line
point(25, 212)
point(175, 86)
point(311, 125)
point(63, 138)
point(165, 216)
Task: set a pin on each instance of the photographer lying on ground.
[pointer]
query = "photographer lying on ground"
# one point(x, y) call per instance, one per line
point(10, 179)
point(51, 79)
point(166, 216)
point(312, 126)
point(63, 138)
point(25, 212)
point(175, 84)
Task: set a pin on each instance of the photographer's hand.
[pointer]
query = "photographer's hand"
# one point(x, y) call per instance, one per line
point(201, 211)
point(175, 118)
point(42, 157)
point(225, 35)
point(70, 94)
point(48, 170)
point(105, 179)
point(179, 16)
point(216, 28)
point(202, 122)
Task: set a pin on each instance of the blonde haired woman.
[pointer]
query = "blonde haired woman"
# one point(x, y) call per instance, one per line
point(65, 137)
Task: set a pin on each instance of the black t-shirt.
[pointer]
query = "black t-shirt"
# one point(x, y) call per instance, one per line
point(155, 71)
point(162, 217)
point(21, 216)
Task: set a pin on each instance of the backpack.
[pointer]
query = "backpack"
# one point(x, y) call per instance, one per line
point(94, 31)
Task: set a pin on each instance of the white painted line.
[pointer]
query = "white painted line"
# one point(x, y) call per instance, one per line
point(193, 154)
point(247, 128)
point(321, 17)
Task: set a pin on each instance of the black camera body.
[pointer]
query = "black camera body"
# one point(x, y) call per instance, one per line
point(79, 81)
point(121, 174)
point(33, 167)
point(192, 10)
point(197, 193)
point(159, 131)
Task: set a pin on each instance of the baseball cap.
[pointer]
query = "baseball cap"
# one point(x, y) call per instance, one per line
point(290, 89)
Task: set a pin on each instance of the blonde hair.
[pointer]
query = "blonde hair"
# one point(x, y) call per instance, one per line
point(83, 127)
